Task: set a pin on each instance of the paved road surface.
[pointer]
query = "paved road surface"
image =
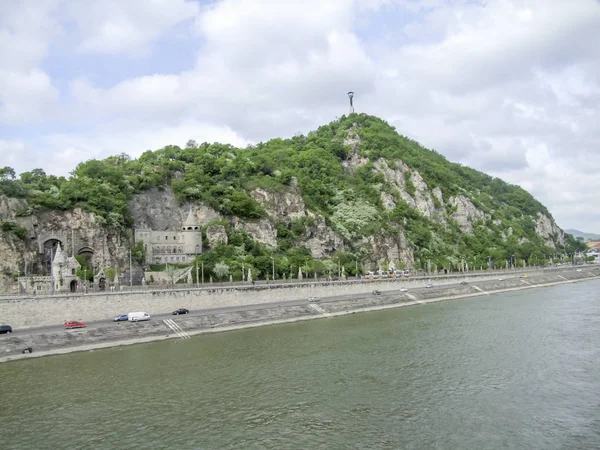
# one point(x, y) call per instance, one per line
point(204, 312)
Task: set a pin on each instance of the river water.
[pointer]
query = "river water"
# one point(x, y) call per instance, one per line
point(508, 371)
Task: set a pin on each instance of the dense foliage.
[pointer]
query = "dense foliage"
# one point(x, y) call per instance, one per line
point(350, 200)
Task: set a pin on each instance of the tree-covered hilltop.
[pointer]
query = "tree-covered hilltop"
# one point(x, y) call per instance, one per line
point(344, 171)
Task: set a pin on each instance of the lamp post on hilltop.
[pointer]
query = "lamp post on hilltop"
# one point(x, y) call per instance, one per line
point(351, 96)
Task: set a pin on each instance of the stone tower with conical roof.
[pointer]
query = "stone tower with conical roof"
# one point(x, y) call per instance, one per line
point(192, 235)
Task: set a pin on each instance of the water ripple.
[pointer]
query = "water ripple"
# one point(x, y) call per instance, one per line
point(507, 371)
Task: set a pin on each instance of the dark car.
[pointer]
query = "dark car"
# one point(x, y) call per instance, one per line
point(376, 292)
point(4, 329)
point(181, 311)
point(121, 318)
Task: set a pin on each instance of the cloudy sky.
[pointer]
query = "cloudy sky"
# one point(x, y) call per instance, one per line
point(511, 88)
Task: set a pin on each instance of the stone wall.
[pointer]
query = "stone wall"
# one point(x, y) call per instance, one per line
point(40, 311)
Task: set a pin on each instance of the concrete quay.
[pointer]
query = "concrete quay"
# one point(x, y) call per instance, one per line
point(275, 308)
point(26, 312)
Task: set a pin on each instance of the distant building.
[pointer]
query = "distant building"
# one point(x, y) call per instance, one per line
point(172, 246)
point(594, 253)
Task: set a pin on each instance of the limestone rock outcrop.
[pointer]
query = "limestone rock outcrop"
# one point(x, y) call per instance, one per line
point(216, 234)
point(286, 205)
point(549, 231)
point(422, 198)
point(466, 213)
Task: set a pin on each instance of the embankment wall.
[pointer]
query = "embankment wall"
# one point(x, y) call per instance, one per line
point(25, 312)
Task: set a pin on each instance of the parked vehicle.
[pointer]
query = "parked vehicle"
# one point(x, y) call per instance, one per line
point(138, 316)
point(70, 324)
point(181, 311)
point(403, 290)
point(376, 292)
point(429, 285)
point(463, 283)
point(5, 329)
point(314, 299)
point(121, 318)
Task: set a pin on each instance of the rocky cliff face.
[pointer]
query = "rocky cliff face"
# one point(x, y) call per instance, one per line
point(422, 198)
point(466, 213)
point(161, 211)
point(549, 231)
point(76, 231)
point(286, 206)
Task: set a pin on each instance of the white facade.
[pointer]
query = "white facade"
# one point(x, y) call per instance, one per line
point(172, 246)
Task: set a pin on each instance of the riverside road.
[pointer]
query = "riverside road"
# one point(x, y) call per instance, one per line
point(441, 280)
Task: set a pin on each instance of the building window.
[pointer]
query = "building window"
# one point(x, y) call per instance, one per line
point(72, 271)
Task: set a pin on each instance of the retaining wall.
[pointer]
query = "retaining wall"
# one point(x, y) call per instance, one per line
point(25, 312)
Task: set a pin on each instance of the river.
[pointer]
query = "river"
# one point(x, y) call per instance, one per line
point(517, 370)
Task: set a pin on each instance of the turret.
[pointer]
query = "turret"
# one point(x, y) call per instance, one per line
point(190, 223)
point(192, 236)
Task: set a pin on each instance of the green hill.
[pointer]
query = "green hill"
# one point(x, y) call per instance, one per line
point(374, 188)
point(585, 236)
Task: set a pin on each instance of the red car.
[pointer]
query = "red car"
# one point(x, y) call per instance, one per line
point(74, 324)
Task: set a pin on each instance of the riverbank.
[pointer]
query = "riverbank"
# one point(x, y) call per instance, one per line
point(207, 321)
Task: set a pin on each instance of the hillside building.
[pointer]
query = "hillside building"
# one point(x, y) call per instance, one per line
point(178, 247)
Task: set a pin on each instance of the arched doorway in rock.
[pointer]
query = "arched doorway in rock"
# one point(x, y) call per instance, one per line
point(102, 284)
point(73, 286)
point(50, 246)
point(88, 254)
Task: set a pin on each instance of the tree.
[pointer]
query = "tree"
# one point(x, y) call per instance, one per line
point(138, 252)
point(171, 271)
point(221, 270)
point(7, 173)
point(191, 144)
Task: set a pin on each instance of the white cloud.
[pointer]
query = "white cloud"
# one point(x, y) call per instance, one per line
point(126, 27)
point(26, 96)
point(26, 29)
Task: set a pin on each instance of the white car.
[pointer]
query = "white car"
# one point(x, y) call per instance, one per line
point(403, 290)
point(429, 285)
point(314, 299)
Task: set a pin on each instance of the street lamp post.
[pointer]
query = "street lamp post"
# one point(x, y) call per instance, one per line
point(130, 271)
point(273, 261)
point(52, 270)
